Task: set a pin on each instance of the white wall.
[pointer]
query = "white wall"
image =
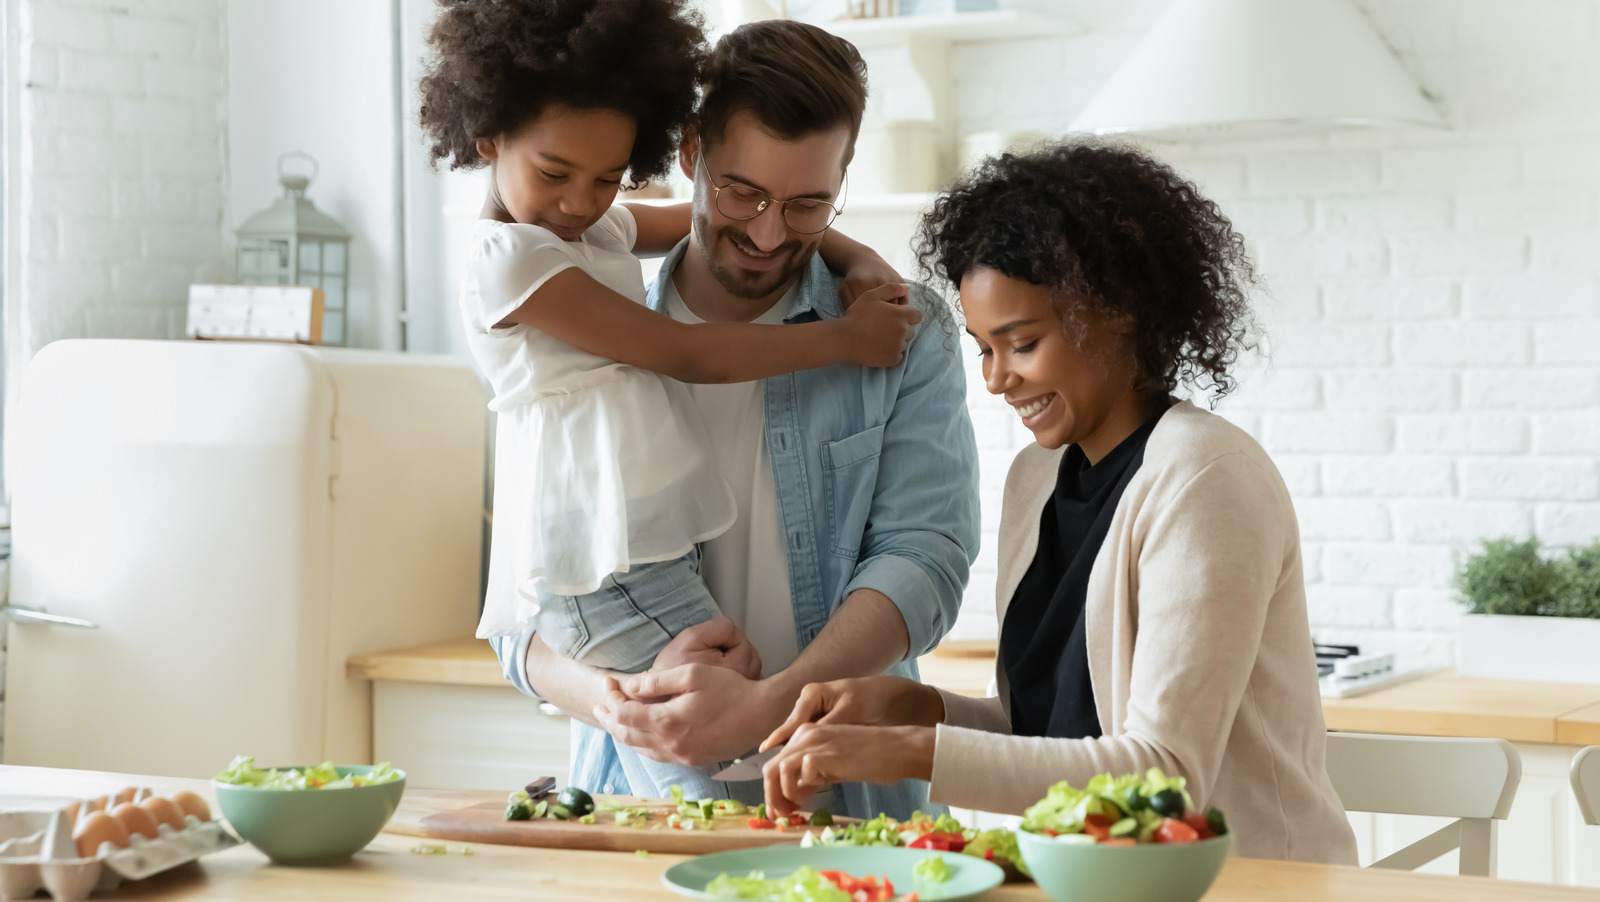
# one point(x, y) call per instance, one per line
point(1435, 300)
point(318, 76)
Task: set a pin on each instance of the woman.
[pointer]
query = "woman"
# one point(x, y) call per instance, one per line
point(1150, 592)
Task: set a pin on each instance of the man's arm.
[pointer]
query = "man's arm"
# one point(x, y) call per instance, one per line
point(536, 671)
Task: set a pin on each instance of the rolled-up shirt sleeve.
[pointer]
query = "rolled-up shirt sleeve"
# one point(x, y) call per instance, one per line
point(513, 654)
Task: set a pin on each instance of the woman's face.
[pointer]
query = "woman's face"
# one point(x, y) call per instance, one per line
point(1068, 388)
point(561, 170)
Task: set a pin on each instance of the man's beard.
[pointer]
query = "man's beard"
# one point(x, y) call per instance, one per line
point(752, 285)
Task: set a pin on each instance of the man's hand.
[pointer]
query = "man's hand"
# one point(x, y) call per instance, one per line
point(694, 714)
point(821, 755)
point(886, 701)
point(717, 643)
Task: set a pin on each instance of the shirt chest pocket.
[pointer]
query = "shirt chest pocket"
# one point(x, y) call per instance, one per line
point(850, 475)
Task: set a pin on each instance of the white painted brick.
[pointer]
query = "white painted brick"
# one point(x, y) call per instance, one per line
point(1387, 565)
point(1530, 27)
point(1569, 524)
point(1568, 251)
point(153, 37)
point(1463, 344)
point(189, 159)
point(1459, 253)
point(1545, 388)
point(1451, 168)
point(156, 118)
point(1567, 433)
point(81, 195)
point(1302, 474)
point(1309, 433)
point(42, 69)
point(147, 280)
point(119, 76)
point(1385, 213)
point(1530, 478)
point(1531, 296)
point(54, 110)
point(176, 78)
point(60, 25)
point(1460, 521)
point(1287, 301)
point(1337, 256)
point(81, 152)
point(67, 283)
point(1561, 163)
point(104, 239)
point(1462, 433)
point(1216, 177)
point(1269, 217)
point(1427, 609)
point(1391, 389)
point(1311, 562)
point(179, 242)
point(1575, 342)
point(1340, 519)
point(1313, 173)
point(1526, 209)
point(1329, 345)
point(1388, 476)
point(1277, 390)
point(1389, 299)
point(1349, 606)
point(127, 322)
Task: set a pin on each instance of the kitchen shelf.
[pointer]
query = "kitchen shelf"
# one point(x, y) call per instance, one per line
point(995, 25)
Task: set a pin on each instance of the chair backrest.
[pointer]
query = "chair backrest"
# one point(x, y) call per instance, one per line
point(1586, 783)
point(1472, 780)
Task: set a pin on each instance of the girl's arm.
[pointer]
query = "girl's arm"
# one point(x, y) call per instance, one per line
point(660, 227)
point(574, 308)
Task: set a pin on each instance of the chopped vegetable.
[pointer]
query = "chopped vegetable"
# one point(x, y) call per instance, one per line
point(429, 848)
point(730, 806)
point(1122, 810)
point(933, 870)
point(242, 771)
point(804, 885)
point(822, 817)
point(576, 801)
point(642, 853)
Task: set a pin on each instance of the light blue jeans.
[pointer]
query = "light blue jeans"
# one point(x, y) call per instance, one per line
point(622, 626)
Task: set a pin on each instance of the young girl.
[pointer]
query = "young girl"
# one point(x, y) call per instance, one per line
point(604, 484)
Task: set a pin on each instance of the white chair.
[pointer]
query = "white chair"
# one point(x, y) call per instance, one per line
point(1472, 780)
point(1586, 783)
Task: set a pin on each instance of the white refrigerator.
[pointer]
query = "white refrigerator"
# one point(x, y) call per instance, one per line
point(204, 532)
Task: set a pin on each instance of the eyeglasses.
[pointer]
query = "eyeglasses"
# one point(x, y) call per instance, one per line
point(806, 215)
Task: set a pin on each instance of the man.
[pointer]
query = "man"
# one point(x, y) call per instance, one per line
point(856, 488)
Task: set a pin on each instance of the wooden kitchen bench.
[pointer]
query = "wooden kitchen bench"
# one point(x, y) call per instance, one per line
point(388, 870)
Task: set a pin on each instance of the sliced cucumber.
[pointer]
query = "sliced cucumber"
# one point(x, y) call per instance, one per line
point(1128, 826)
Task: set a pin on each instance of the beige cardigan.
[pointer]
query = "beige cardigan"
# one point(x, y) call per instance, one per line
point(1199, 649)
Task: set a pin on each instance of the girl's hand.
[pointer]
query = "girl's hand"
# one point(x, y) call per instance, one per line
point(873, 701)
point(716, 642)
point(821, 755)
point(877, 328)
point(866, 272)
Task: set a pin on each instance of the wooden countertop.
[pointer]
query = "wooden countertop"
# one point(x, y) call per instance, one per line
point(1441, 704)
point(388, 871)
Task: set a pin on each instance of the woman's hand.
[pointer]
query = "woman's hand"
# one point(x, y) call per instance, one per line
point(717, 642)
point(873, 701)
point(877, 328)
point(868, 271)
point(820, 755)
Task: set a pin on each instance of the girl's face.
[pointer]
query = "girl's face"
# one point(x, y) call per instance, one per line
point(560, 170)
point(1068, 389)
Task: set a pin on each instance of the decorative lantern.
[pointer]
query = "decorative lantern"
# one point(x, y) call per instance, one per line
point(294, 243)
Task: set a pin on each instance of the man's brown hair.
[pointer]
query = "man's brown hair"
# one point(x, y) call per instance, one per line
point(796, 79)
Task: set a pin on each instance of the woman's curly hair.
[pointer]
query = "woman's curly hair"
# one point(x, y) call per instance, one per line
point(496, 64)
point(1112, 230)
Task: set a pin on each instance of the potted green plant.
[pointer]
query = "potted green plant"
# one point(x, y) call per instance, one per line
point(1532, 615)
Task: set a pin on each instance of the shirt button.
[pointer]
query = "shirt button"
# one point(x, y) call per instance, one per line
point(606, 789)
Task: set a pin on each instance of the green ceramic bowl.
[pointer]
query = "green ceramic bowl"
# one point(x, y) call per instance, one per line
point(310, 826)
point(1069, 872)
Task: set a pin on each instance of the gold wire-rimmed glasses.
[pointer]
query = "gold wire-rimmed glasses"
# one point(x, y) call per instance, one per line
point(806, 215)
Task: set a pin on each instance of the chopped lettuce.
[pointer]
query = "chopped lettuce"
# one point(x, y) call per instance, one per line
point(1064, 808)
point(933, 870)
point(1003, 843)
point(804, 885)
point(242, 771)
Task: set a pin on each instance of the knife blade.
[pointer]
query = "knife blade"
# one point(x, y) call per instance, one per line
point(746, 768)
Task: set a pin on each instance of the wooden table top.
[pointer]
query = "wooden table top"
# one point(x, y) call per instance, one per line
point(1441, 704)
point(388, 870)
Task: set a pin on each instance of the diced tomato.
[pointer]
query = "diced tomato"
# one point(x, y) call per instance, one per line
point(1120, 841)
point(837, 878)
point(760, 823)
point(1097, 826)
point(939, 842)
point(1197, 822)
point(1172, 831)
point(1052, 832)
point(988, 855)
point(800, 820)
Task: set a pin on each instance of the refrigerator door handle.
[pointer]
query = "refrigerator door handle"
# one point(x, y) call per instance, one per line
point(25, 614)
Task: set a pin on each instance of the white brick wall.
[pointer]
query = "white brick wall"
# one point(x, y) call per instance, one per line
point(1435, 325)
point(121, 126)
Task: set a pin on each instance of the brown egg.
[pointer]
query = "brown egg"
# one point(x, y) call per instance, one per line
point(136, 820)
point(191, 803)
point(96, 804)
point(124, 796)
point(95, 829)
point(72, 813)
point(164, 811)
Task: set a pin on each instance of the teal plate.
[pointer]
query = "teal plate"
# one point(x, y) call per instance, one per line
point(968, 876)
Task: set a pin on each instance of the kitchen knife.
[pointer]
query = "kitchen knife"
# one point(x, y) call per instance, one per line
point(747, 768)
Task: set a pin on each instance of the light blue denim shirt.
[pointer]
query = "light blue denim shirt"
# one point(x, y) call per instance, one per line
point(877, 479)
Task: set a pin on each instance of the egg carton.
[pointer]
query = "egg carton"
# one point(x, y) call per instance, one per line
point(37, 852)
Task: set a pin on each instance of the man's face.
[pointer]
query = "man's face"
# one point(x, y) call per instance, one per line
point(756, 258)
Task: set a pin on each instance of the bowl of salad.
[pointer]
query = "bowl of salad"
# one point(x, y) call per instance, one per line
point(1137, 836)
point(308, 815)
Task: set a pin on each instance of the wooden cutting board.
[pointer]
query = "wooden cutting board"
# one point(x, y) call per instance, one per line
point(465, 815)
